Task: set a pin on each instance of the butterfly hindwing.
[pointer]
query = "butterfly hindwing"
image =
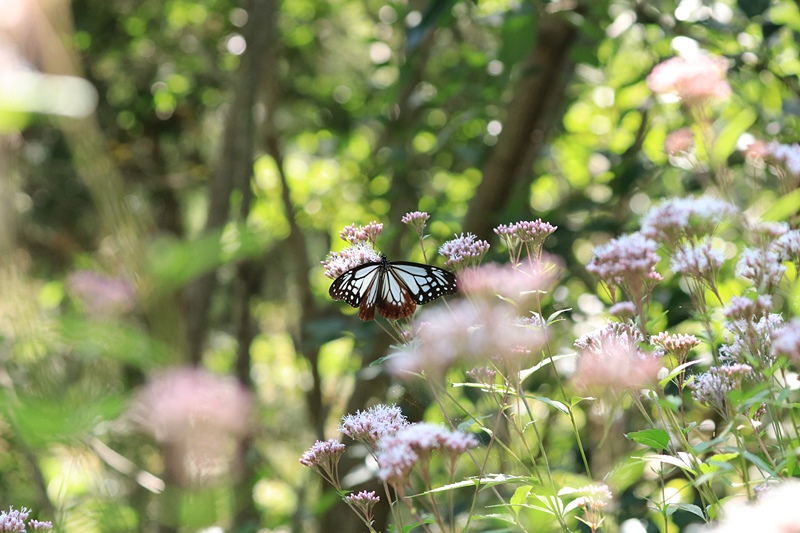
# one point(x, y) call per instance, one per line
point(392, 289)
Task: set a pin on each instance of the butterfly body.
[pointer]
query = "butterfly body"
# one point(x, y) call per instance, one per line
point(393, 289)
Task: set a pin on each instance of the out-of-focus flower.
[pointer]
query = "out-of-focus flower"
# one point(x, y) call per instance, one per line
point(610, 358)
point(399, 452)
point(698, 260)
point(694, 79)
point(626, 309)
point(740, 307)
point(678, 218)
point(592, 500)
point(528, 236)
point(677, 345)
point(13, 521)
point(713, 387)
point(360, 234)
point(679, 141)
point(463, 251)
point(751, 342)
point(101, 295)
point(787, 155)
point(521, 283)
point(464, 332)
point(787, 247)
point(483, 374)
point(786, 341)
point(337, 263)
point(628, 262)
point(762, 267)
point(323, 457)
point(369, 426)
point(416, 219)
point(775, 511)
point(198, 417)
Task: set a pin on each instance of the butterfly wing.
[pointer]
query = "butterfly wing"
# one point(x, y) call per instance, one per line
point(393, 289)
point(425, 283)
point(358, 284)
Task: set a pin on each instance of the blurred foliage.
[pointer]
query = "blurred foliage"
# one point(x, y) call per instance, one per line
point(382, 108)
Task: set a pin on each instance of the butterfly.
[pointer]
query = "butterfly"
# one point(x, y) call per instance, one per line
point(393, 289)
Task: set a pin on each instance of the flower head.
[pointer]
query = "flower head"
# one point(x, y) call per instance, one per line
point(695, 80)
point(361, 234)
point(677, 345)
point(101, 295)
point(323, 457)
point(337, 263)
point(399, 452)
point(197, 417)
point(787, 246)
point(518, 283)
point(679, 141)
point(13, 521)
point(464, 250)
point(751, 340)
point(679, 218)
point(775, 511)
point(762, 267)
point(416, 219)
point(697, 260)
point(371, 425)
point(713, 387)
point(628, 262)
point(786, 341)
point(526, 236)
point(610, 358)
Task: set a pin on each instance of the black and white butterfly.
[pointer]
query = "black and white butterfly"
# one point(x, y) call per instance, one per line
point(393, 289)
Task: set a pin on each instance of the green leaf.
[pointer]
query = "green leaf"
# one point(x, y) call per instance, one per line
point(675, 372)
point(784, 207)
point(732, 130)
point(658, 439)
point(553, 403)
point(525, 374)
point(688, 507)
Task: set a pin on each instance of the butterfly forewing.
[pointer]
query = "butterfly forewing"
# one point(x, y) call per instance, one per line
point(425, 283)
point(393, 289)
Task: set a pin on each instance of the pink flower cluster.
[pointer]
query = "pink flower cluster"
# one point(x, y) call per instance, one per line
point(762, 267)
point(610, 358)
point(400, 451)
point(517, 283)
point(679, 218)
point(786, 341)
point(369, 426)
point(677, 345)
point(323, 457)
point(713, 387)
point(337, 263)
point(463, 251)
point(13, 521)
point(628, 262)
point(416, 219)
point(697, 260)
point(357, 234)
point(694, 79)
point(525, 236)
point(195, 415)
point(101, 295)
point(679, 141)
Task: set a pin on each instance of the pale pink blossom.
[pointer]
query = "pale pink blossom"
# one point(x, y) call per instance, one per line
point(625, 309)
point(400, 452)
point(751, 339)
point(713, 388)
point(464, 332)
point(416, 219)
point(592, 500)
point(678, 345)
point(694, 79)
point(787, 246)
point(775, 511)
point(628, 262)
point(463, 251)
point(786, 155)
point(13, 521)
point(679, 141)
point(747, 308)
point(369, 426)
point(762, 267)
point(521, 283)
point(198, 417)
point(698, 260)
point(610, 358)
point(786, 341)
point(101, 296)
point(678, 218)
point(363, 502)
point(337, 263)
point(323, 457)
point(359, 234)
point(525, 236)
